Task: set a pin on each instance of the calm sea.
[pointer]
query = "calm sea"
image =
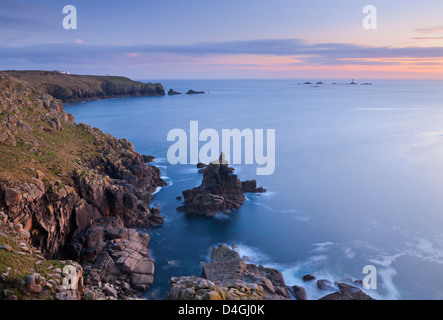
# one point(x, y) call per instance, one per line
point(358, 179)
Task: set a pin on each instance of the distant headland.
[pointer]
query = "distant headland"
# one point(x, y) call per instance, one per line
point(74, 88)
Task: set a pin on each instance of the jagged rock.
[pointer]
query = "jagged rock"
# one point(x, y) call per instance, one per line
point(12, 196)
point(250, 186)
point(195, 92)
point(299, 292)
point(347, 292)
point(148, 159)
point(201, 165)
point(196, 288)
point(110, 291)
point(220, 191)
point(171, 92)
point(324, 284)
point(226, 266)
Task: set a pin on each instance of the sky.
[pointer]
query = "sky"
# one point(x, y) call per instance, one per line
point(226, 39)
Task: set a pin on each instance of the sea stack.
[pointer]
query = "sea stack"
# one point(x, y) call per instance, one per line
point(220, 191)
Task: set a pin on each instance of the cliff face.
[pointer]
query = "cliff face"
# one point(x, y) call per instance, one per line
point(71, 88)
point(59, 180)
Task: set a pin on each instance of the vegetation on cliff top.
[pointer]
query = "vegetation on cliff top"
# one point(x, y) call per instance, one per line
point(29, 144)
point(72, 87)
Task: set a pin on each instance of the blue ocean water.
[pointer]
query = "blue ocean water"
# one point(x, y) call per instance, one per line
point(358, 179)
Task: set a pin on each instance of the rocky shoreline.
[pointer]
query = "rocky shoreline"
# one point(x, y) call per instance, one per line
point(227, 276)
point(76, 199)
point(71, 198)
point(220, 191)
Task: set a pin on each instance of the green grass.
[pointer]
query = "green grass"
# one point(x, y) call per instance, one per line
point(20, 266)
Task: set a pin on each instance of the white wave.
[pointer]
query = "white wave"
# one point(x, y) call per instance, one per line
point(322, 246)
point(160, 160)
point(387, 282)
point(251, 254)
point(221, 216)
point(386, 260)
point(299, 216)
point(157, 190)
point(349, 253)
point(168, 181)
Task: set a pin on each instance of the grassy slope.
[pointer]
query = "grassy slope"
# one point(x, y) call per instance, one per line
point(55, 154)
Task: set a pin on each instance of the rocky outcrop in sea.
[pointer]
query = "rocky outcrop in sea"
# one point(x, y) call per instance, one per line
point(220, 191)
point(228, 277)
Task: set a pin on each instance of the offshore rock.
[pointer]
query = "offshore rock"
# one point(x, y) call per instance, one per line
point(220, 191)
point(228, 277)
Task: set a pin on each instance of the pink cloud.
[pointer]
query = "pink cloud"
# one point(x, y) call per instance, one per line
point(435, 29)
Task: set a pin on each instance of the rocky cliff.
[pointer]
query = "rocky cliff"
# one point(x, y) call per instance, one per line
point(71, 87)
point(70, 186)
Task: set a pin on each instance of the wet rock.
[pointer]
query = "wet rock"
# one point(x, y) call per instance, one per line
point(308, 277)
point(195, 92)
point(148, 159)
point(220, 191)
point(326, 285)
point(201, 165)
point(299, 293)
point(347, 292)
point(226, 266)
point(171, 92)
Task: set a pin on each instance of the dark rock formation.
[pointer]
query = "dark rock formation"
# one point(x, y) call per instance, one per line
point(171, 92)
point(195, 92)
point(148, 159)
point(71, 87)
point(298, 292)
point(230, 278)
point(308, 277)
point(220, 191)
point(347, 292)
point(201, 165)
point(326, 285)
point(250, 186)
